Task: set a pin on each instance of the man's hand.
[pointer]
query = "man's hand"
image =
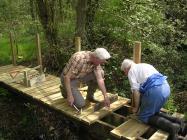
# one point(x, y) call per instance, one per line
point(70, 100)
point(107, 101)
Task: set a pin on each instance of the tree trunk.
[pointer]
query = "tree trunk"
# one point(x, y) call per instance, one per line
point(61, 10)
point(90, 16)
point(32, 9)
point(47, 15)
point(81, 19)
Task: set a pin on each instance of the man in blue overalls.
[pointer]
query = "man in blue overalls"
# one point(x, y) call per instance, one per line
point(150, 91)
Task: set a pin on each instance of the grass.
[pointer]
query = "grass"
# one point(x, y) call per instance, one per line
point(5, 52)
point(26, 50)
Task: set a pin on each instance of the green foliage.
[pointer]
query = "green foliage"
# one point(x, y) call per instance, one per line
point(25, 46)
point(116, 24)
point(3, 92)
point(185, 115)
point(170, 105)
point(5, 52)
point(127, 21)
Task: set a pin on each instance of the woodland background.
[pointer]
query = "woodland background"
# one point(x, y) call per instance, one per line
point(161, 27)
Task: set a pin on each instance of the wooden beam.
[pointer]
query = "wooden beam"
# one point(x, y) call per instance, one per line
point(159, 135)
point(77, 44)
point(137, 52)
point(136, 59)
point(12, 49)
point(25, 78)
point(131, 129)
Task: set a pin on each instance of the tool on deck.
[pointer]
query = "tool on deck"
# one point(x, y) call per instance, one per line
point(79, 111)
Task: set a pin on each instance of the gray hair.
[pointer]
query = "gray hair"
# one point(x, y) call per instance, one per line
point(102, 53)
point(126, 64)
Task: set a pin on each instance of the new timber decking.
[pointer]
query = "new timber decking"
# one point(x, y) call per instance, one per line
point(48, 92)
point(116, 119)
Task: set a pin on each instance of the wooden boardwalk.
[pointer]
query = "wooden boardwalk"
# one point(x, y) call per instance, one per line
point(48, 93)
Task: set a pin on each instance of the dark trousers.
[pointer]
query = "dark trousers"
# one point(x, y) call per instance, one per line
point(89, 80)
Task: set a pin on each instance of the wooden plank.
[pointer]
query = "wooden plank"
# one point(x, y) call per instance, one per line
point(87, 110)
point(66, 109)
point(50, 82)
point(48, 94)
point(50, 91)
point(51, 85)
point(5, 75)
point(105, 124)
point(101, 104)
point(56, 102)
point(91, 118)
point(8, 68)
point(43, 93)
point(8, 79)
point(52, 97)
point(49, 79)
point(20, 70)
point(131, 129)
point(159, 135)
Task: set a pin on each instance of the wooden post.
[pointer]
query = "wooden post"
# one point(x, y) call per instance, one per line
point(25, 78)
point(12, 50)
point(77, 44)
point(39, 56)
point(136, 59)
point(137, 52)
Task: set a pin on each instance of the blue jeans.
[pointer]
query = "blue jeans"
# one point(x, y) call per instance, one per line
point(153, 100)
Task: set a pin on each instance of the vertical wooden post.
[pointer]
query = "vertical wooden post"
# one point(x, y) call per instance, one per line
point(137, 52)
point(78, 49)
point(136, 59)
point(39, 56)
point(77, 44)
point(25, 78)
point(12, 49)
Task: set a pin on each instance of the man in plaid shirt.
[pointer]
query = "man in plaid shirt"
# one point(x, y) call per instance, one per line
point(84, 66)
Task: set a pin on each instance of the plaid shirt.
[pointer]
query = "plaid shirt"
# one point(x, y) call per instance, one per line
point(79, 65)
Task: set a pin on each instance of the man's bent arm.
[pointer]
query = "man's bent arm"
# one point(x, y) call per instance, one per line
point(67, 84)
point(136, 99)
point(100, 82)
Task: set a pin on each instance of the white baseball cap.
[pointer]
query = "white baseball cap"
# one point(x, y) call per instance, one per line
point(102, 53)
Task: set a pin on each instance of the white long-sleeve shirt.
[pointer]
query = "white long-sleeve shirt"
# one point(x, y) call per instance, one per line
point(139, 73)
